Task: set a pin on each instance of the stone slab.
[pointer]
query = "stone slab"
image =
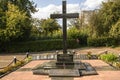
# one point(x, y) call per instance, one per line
point(64, 73)
point(86, 73)
point(62, 78)
point(41, 72)
point(79, 65)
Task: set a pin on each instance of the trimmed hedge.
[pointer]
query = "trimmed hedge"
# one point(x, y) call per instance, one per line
point(41, 45)
point(102, 41)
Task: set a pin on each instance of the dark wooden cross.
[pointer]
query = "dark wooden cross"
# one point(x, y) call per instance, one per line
point(64, 16)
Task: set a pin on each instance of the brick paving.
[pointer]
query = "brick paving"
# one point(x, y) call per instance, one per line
point(28, 75)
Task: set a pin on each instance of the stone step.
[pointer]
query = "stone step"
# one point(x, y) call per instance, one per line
point(64, 73)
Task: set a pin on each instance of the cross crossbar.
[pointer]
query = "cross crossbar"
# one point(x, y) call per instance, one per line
point(69, 15)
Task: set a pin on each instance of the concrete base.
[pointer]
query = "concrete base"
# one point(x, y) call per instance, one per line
point(76, 70)
point(64, 73)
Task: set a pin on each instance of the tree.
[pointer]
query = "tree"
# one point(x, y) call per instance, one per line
point(24, 5)
point(49, 25)
point(115, 30)
point(36, 28)
point(95, 24)
point(15, 21)
point(76, 23)
point(14, 18)
point(110, 14)
point(27, 7)
point(2, 19)
point(107, 15)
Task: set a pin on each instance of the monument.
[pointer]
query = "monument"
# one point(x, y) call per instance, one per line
point(64, 58)
point(65, 66)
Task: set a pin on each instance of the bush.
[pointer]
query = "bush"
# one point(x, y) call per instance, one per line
point(28, 59)
point(101, 41)
point(74, 33)
point(108, 57)
point(115, 30)
point(41, 45)
point(116, 64)
point(89, 55)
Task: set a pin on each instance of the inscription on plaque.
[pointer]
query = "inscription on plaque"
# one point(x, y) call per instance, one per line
point(65, 58)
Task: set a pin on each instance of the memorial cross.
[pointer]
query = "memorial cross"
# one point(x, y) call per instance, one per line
point(64, 16)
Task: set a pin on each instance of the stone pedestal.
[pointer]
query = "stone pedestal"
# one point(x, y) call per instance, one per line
point(65, 61)
point(64, 57)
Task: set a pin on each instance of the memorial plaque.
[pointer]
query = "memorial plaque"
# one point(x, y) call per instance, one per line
point(65, 58)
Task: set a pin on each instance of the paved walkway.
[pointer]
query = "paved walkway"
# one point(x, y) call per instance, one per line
point(103, 74)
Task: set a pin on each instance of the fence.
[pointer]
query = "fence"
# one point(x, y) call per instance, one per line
point(15, 60)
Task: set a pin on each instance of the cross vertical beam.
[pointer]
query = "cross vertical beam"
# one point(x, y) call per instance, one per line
point(64, 28)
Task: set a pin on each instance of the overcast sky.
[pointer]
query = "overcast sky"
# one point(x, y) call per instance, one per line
point(46, 7)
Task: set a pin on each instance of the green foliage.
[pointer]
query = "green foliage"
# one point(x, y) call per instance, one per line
point(101, 41)
point(28, 59)
point(96, 26)
point(115, 30)
point(49, 25)
point(110, 57)
point(15, 22)
point(117, 65)
point(12, 67)
point(14, 19)
point(41, 45)
point(57, 34)
point(44, 28)
point(14, 25)
point(89, 55)
point(103, 19)
point(75, 33)
point(77, 23)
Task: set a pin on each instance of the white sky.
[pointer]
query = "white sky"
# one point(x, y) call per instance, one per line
point(45, 11)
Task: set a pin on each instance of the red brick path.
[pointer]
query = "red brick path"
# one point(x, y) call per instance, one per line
point(28, 75)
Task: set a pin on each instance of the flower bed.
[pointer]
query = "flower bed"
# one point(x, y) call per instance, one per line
point(111, 59)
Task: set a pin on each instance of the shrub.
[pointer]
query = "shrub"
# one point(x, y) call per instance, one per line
point(101, 41)
point(28, 59)
point(74, 33)
point(89, 55)
point(116, 64)
point(41, 45)
point(108, 57)
point(115, 30)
